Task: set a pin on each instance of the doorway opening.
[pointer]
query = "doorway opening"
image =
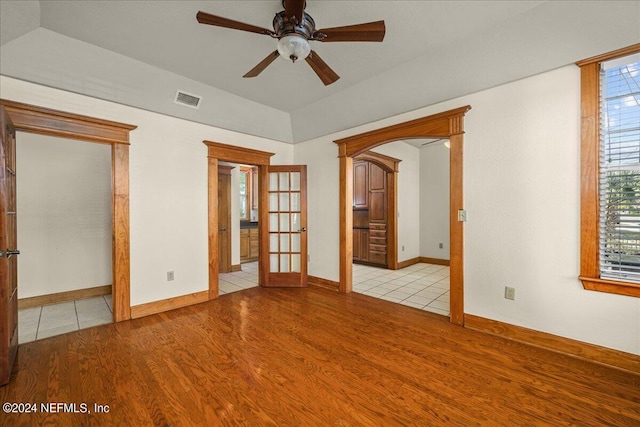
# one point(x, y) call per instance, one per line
point(64, 235)
point(44, 121)
point(421, 279)
point(448, 124)
point(238, 232)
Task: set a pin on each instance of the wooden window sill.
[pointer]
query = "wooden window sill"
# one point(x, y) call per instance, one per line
point(611, 286)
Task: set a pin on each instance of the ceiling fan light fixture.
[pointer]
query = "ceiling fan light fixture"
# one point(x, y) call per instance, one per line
point(293, 47)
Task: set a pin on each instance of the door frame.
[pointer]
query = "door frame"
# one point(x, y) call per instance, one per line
point(217, 152)
point(448, 124)
point(45, 121)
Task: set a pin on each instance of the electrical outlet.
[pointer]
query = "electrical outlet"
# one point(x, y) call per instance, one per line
point(170, 276)
point(440, 245)
point(509, 293)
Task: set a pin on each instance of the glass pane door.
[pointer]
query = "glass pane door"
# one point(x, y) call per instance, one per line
point(287, 222)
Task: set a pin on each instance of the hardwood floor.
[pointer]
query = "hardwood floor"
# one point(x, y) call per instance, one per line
point(310, 357)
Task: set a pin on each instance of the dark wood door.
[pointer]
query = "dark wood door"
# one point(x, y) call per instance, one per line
point(224, 218)
point(8, 243)
point(287, 226)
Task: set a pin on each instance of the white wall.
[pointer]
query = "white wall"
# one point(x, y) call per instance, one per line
point(323, 186)
point(408, 196)
point(521, 189)
point(64, 214)
point(168, 187)
point(434, 201)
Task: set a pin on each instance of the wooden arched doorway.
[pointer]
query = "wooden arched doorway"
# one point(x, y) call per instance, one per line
point(448, 124)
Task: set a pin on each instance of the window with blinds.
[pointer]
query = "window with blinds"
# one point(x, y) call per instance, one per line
point(620, 169)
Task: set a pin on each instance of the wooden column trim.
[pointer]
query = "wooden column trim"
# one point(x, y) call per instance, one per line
point(456, 231)
point(213, 228)
point(46, 121)
point(392, 219)
point(121, 232)
point(346, 224)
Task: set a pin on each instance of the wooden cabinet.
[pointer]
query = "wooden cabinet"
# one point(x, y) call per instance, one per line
point(370, 203)
point(249, 248)
point(378, 243)
point(360, 185)
point(360, 244)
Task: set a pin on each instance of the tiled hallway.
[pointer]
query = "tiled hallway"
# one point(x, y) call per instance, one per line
point(423, 286)
point(239, 280)
point(46, 321)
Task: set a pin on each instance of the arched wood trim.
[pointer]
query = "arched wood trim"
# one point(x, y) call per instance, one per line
point(448, 124)
point(45, 121)
point(228, 153)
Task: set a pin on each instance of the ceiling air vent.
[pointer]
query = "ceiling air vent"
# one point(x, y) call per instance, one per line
point(187, 99)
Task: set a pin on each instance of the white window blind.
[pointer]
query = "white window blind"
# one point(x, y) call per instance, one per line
point(620, 170)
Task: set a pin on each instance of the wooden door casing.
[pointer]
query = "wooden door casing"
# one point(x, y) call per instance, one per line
point(8, 241)
point(224, 218)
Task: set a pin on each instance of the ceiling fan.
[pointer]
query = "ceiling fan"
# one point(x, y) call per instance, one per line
point(294, 29)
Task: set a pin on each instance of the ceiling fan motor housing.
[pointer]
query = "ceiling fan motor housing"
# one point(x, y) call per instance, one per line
point(282, 25)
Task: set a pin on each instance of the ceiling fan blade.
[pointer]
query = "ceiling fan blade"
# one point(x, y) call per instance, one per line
point(369, 32)
point(294, 8)
point(326, 74)
point(262, 65)
point(218, 21)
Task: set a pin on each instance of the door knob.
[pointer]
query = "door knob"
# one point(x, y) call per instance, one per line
point(223, 228)
point(303, 229)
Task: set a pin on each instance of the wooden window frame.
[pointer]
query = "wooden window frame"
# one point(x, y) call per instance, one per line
point(589, 175)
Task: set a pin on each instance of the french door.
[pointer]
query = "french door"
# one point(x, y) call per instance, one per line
point(8, 252)
point(286, 229)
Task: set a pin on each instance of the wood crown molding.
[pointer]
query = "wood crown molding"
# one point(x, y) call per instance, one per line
point(30, 118)
point(591, 352)
point(231, 153)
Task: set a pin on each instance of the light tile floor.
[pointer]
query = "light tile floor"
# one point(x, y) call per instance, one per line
point(41, 322)
point(423, 286)
point(239, 280)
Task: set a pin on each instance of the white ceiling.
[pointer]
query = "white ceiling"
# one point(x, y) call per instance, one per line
point(433, 51)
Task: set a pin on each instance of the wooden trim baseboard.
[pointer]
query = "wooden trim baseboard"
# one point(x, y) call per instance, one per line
point(64, 296)
point(323, 283)
point(236, 267)
point(155, 307)
point(408, 262)
point(591, 352)
point(436, 261)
